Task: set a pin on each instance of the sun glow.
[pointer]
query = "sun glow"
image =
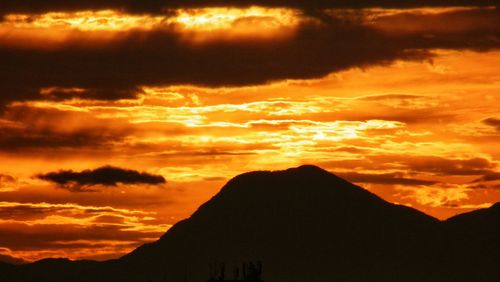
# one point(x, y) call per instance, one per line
point(194, 24)
point(84, 21)
point(403, 102)
point(202, 25)
point(52, 29)
point(210, 19)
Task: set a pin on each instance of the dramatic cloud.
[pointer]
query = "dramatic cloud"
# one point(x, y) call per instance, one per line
point(161, 58)
point(399, 96)
point(157, 6)
point(106, 175)
point(79, 66)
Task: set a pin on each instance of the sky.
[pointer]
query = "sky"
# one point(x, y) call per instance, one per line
point(119, 118)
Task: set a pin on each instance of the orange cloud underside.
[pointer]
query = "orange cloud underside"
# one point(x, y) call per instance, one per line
point(197, 25)
point(52, 29)
point(430, 125)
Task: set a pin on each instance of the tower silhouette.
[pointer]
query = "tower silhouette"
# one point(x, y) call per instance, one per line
point(248, 271)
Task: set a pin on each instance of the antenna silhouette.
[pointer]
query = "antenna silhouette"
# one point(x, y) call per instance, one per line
point(251, 271)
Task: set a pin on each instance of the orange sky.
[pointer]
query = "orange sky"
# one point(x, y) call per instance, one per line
point(413, 118)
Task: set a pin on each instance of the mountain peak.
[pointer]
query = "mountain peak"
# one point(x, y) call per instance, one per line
point(303, 224)
point(288, 186)
point(308, 193)
point(304, 174)
point(308, 168)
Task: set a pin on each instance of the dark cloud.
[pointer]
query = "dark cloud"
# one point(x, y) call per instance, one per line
point(158, 6)
point(24, 212)
point(12, 140)
point(491, 176)
point(384, 178)
point(484, 186)
point(106, 175)
point(163, 57)
point(109, 219)
point(112, 92)
point(31, 129)
point(494, 122)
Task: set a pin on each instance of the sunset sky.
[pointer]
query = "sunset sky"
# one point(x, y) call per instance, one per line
point(119, 118)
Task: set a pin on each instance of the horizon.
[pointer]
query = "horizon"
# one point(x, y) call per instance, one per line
point(292, 171)
point(118, 119)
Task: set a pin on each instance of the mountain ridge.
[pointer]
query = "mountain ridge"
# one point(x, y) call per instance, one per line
point(304, 224)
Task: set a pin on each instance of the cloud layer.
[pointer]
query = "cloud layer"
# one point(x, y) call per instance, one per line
point(88, 231)
point(157, 6)
point(111, 64)
point(106, 176)
point(400, 98)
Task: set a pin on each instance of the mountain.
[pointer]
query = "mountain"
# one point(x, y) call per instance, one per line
point(471, 238)
point(303, 224)
point(5, 267)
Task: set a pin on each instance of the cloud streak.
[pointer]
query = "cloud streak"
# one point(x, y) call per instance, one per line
point(105, 176)
point(97, 232)
point(157, 6)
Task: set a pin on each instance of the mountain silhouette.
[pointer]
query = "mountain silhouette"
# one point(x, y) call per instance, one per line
point(302, 224)
point(5, 267)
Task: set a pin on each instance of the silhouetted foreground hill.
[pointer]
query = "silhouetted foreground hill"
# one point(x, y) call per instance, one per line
point(304, 224)
point(4, 267)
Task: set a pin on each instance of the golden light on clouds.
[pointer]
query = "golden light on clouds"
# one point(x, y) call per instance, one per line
point(195, 24)
point(206, 19)
point(51, 29)
point(254, 22)
point(406, 121)
point(404, 102)
point(68, 225)
point(210, 19)
point(84, 21)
